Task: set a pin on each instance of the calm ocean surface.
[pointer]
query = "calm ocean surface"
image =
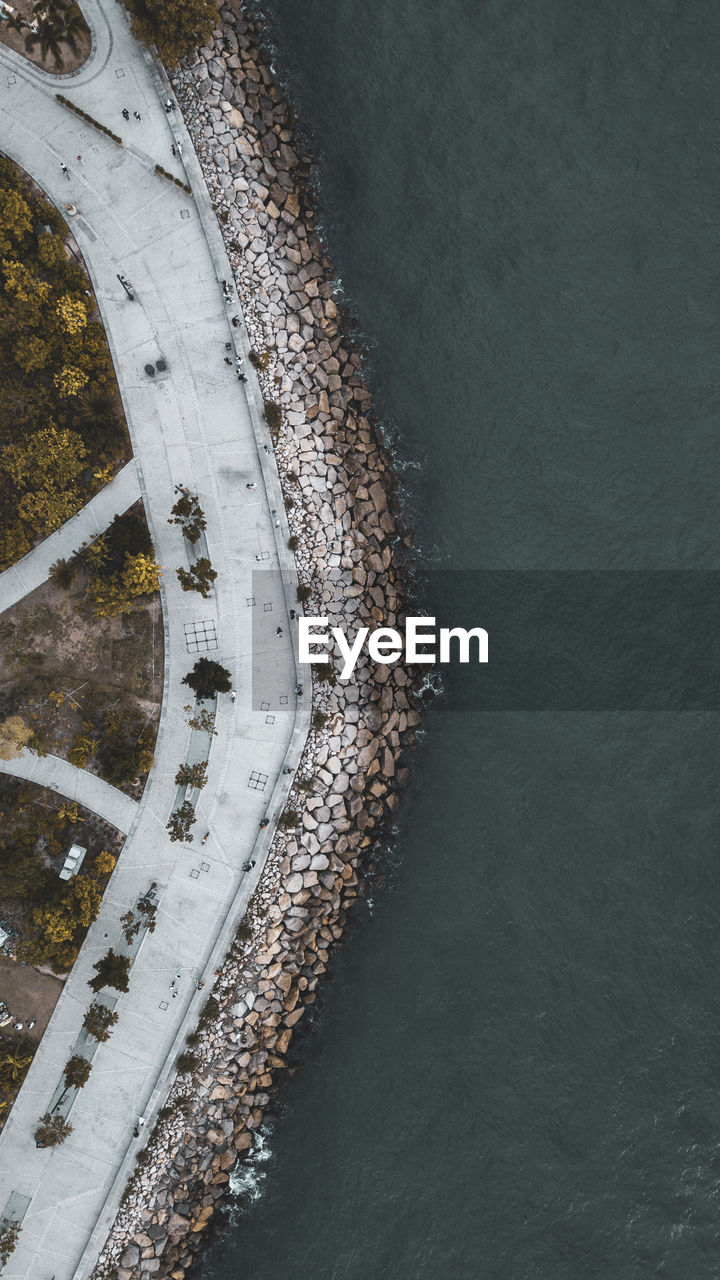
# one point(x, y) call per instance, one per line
point(513, 1074)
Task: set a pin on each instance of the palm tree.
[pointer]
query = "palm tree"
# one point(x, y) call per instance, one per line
point(14, 1065)
point(46, 32)
point(74, 26)
point(16, 22)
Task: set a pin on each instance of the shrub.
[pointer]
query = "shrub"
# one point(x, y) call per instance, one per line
point(319, 720)
point(260, 359)
point(293, 543)
point(303, 592)
point(290, 818)
point(187, 1062)
point(52, 1130)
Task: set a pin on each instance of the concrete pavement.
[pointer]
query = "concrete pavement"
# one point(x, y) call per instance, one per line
point(192, 426)
point(75, 784)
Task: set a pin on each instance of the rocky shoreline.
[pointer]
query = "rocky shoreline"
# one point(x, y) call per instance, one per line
point(338, 489)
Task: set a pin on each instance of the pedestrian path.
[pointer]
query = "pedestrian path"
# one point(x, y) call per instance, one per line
point(34, 568)
point(75, 784)
point(192, 424)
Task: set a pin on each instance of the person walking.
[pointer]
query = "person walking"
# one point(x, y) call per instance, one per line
point(137, 115)
point(251, 485)
point(278, 631)
point(125, 113)
point(233, 695)
point(173, 149)
point(65, 170)
point(81, 161)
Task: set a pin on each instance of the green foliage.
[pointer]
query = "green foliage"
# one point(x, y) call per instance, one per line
point(142, 917)
point(303, 592)
point(75, 1075)
point(175, 26)
point(54, 931)
point(121, 566)
point(187, 1062)
point(204, 722)
point(273, 417)
point(9, 1233)
point(319, 720)
point(180, 822)
point(52, 1130)
point(192, 775)
point(111, 971)
point(260, 359)
point(199, 577)
point(99, 1020)
point(290, 818)
point(52, 355)
point(63, 573)
point(208, 678)
point(293, 542)
point(210, 1011)
point(188, 513)
point(124, 750)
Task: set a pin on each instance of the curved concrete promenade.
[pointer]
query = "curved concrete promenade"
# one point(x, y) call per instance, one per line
point(193, 426)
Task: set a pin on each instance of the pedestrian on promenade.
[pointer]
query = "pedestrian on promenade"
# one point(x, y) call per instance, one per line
point(228, 360)
point(241, 376)
point(278, 631)
point(65, 170)
point(137, 115)
point(233, 695)
point(125, 113)
point(235, 321)
point(81, 161)
point(292, 615)
point(251, 485)
point(168, 106)
point(173, 149)
point(141, 1122)
point(205, 838)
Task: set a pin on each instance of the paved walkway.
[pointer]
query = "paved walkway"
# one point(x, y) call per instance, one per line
point(34, 568)
point(193, 426)
point(76, 784)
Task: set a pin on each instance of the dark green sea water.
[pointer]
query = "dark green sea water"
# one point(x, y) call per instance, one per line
point(514, 1074)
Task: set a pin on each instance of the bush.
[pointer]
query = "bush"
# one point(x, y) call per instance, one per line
point(290, 818)
point(187, 1062)
point(319, 720)
point(260, 360)
point(303, 592)
point(52, 1131)
point(273, 416)
point(293, 543)
point(175, 26)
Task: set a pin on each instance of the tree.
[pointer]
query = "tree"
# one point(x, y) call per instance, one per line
point(57, 928)
point(188, 513)
point(204, 721)
point(71, 313)
point(192, 775)
point(15, 220)
point(104, 864)
point(14, 1067)
point(9, 1232)
point(76, 1075)
point(180, 822)
point(45, 467)
point(14, 737)
point(99, 1020)
point(63, 573)
point(31, 352)
point(111, 971)
point(52, 1130)
point(175, 26)
point(199, 577)
point(146, 912)
point(208, 678)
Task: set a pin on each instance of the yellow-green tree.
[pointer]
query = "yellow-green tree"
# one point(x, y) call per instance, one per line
point(175, 26)
point(15, 219)
point(44, 469)
point(14, 736)
point(70, 380)
point(31, 352)
point(71, 313)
